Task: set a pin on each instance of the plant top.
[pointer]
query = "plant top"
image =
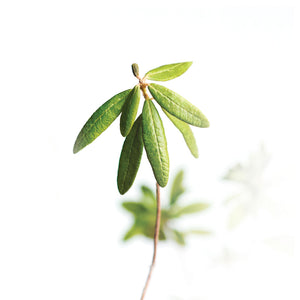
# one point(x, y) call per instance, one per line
point(146, 130)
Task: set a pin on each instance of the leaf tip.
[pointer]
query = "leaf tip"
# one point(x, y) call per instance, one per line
point(196, 155)
point(76, 148)
point(121, 190)
point(205, 123)
point(163, 183)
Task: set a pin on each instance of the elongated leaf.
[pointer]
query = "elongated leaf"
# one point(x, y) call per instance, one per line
point(148, 194)
point(177, 187)
point(155, 143)
point(134, 230)
point(177, 106)
point(129, 110)
point(130, 157)
point(190, 209)
point(100, 120)
point(198, 231)
point(149, 232)
point(168, 72)
point(135, 207)
point(187, 133)
point(179, 237)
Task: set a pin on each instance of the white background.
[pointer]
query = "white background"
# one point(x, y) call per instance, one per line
point(61, 222)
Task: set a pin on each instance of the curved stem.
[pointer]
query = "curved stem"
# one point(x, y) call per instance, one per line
point(156, 236)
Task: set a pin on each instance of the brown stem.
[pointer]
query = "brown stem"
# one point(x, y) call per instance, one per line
point(156, 235)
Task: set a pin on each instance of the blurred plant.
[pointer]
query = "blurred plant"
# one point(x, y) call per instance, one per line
point(144, 213)
point(250, 178)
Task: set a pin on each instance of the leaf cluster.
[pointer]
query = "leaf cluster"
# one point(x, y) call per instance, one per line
point(146, 130)
point(144, 213)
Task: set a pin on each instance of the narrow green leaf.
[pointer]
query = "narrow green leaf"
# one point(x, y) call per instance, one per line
point(130, 158)
point(148, 194)
point(177, 106)
point(129, 110)
point(149, 232)
point(155, 143)
point(190, 209)
point(100, 120)
point(187, 133)
point(135, 207)
point(177, 187)
point(198, 231)
point(179, 237)
point(168, 72)
point(134, 230)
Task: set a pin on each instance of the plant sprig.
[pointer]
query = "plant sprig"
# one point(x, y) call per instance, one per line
point(147, 130)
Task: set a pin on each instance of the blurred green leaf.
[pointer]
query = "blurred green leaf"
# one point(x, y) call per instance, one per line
point(135, 207)
point(134, 230)
point(148, 194)
point(168, 72)
point(198, 231)
point(179, 237)
point(149, 232)
point(189, 209)
point(144, 213)
point(177, 187)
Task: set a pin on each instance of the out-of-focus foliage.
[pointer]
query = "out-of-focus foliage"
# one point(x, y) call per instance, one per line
point(144, 213)
point(250, 178)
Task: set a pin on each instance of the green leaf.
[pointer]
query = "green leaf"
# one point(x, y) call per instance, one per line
point(177, 187)
point(198, 231)
point(187, 133)
point(177, 106)
point(168, 72)
point(149, 232)
point(134, 230)
point(129, 110)
point(190, 209)
point(155, 143)
point(135, 207)
point(100, 120)
point(130, 158)
point(179, 237)
point(148, 193)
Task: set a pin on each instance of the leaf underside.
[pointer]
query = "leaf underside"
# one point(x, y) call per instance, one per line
point(155, 143)
point(177, 106)
point(187, 133)
point(130, 158)
point(168, 72)
point(100, 120)
point(129, 110)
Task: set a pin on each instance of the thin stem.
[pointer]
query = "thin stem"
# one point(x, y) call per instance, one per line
point(156, 236)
